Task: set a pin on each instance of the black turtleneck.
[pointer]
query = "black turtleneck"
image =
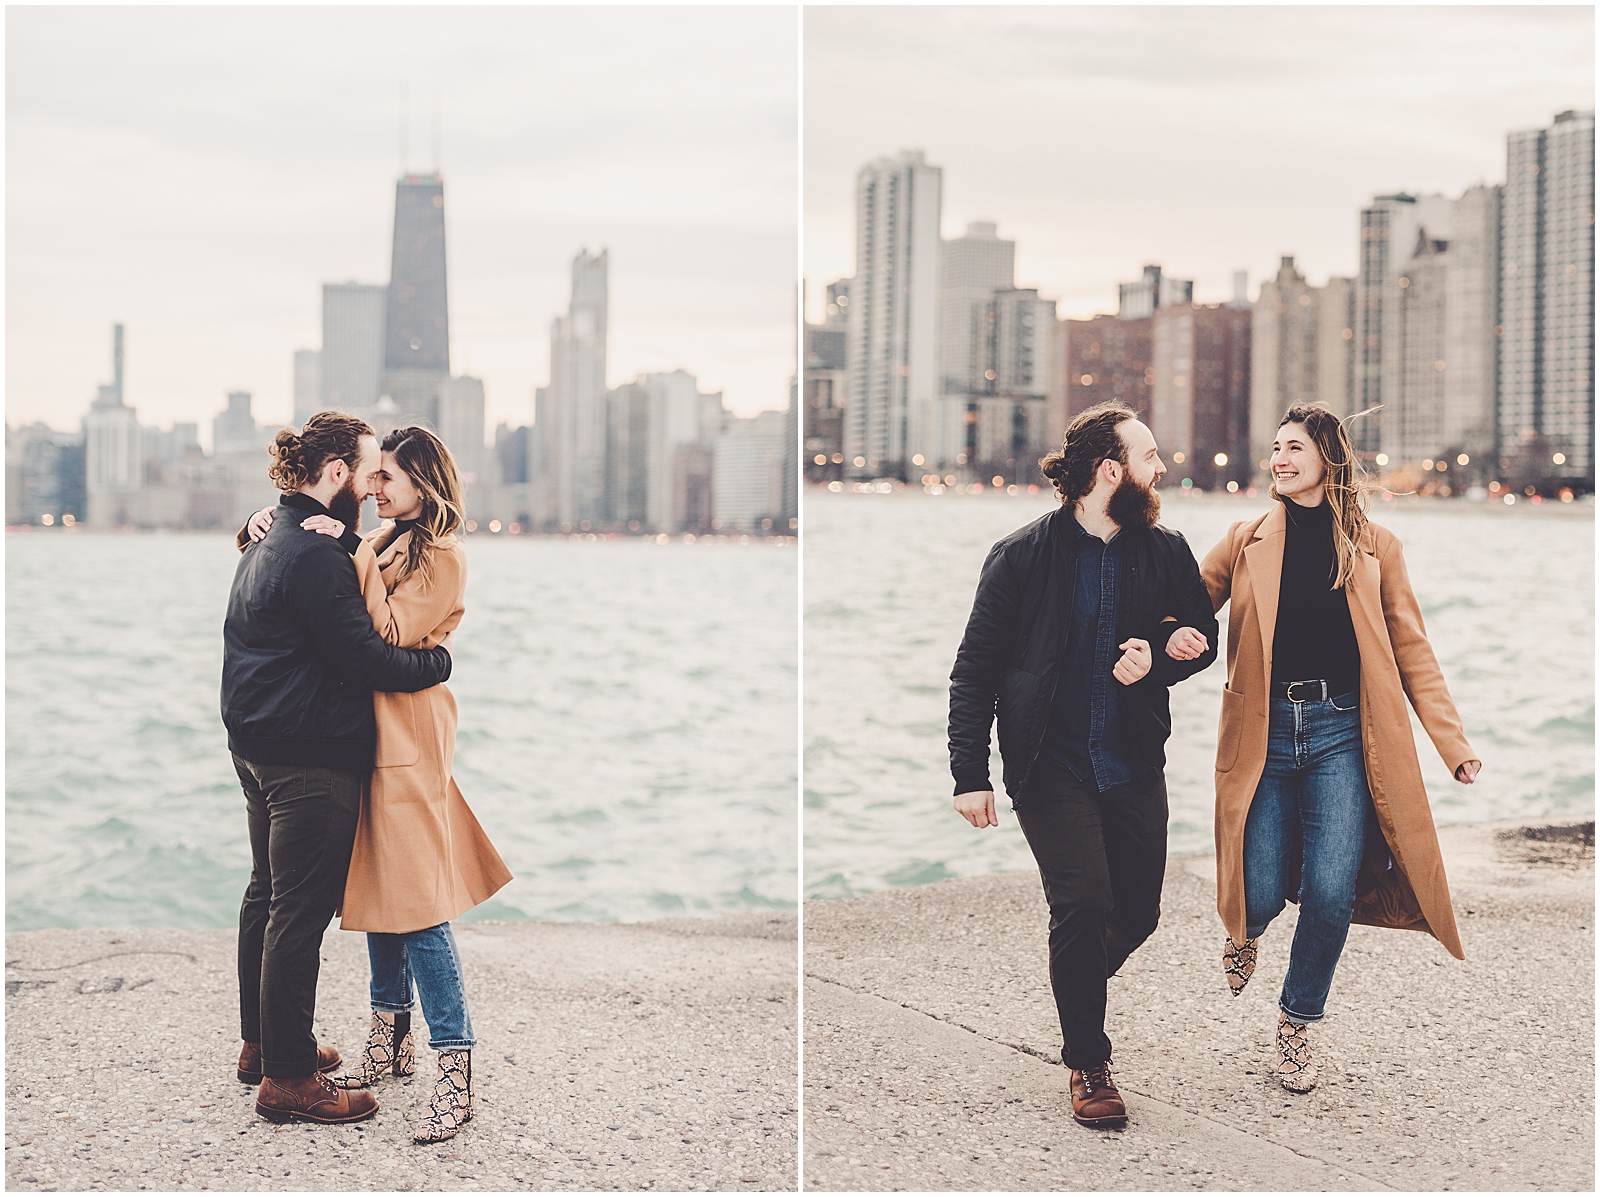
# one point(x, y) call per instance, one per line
point(1314, 636)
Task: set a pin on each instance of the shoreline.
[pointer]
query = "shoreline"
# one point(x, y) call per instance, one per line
point(933, 1052)
point(656, 1055)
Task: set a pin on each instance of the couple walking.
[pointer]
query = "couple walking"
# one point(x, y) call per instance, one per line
point(1081, 623)
point(336, 648)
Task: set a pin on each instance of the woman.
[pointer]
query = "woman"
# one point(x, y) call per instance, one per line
point(1320, 798)
point(420, 857)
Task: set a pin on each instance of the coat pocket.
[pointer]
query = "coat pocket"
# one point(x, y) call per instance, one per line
point(1229, 729)
point(398, 742)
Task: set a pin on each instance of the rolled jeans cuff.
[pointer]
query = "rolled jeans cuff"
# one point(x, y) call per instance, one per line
point(393, 1007)
point(452, 1045)
point(1301, 1018)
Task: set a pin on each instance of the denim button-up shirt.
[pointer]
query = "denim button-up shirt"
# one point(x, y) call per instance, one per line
point(1085, 732)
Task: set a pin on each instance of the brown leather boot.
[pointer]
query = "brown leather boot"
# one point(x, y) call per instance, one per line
point(1095, 1100)
point(250, 1062)
point(312, 1099)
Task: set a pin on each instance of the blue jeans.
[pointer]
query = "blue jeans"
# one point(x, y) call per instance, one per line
point(1304, 837)
point(430, 956)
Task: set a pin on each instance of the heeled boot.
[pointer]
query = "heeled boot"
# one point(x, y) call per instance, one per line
point(450, 1107)
point(1297, 1071)
point(1239, 963)
point(389, 1049)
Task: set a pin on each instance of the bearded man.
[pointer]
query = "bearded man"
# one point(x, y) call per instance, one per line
point(1058, 649)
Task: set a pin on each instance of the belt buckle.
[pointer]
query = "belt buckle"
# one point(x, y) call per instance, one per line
point(1289, 690)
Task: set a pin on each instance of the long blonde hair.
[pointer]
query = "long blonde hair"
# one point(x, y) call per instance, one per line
point(432, 470)
point(1342, 482)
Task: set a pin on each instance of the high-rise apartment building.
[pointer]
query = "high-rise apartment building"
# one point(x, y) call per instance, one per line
point(893, 303)
point(748, 474)
point(234, 432)
point(826, 386)
point(1301, 351)
point(972, 269)
point(1389, 230)
point(461, 426)
point(1417, 388)
point(572, 409)
point(1200, 391)
point(1472, 303)
point(628, 456)
point(1099, 359)
point(416, 343)
point(1008, 427)
point(352, 346)
point(1546, 292)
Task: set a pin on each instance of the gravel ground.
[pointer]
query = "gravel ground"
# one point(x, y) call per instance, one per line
point(932, 1051)
point(630, 1056)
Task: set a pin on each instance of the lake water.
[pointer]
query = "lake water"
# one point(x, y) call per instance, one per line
point(628, 729)
point(1507, 594)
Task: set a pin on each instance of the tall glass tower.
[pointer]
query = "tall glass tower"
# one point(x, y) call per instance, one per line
point(416, 347)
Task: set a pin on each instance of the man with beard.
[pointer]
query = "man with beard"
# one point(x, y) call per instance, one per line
point(300, 662)
point(1058, 648)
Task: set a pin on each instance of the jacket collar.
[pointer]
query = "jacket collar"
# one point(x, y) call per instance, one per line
point(303, 502)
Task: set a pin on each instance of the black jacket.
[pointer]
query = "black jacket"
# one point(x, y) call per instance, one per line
point(300, 657)
point(1016, 639)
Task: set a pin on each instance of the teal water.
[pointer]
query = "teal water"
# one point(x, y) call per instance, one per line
point(627, 729)
point(1507, 595)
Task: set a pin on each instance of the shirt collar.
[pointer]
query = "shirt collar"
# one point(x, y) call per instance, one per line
point(305, 503)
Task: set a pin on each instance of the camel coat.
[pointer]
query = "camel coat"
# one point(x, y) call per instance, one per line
point(1397, 663)
point(420, 857)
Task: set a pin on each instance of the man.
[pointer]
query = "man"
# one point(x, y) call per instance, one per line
point(1058, 646)
point(300, 662)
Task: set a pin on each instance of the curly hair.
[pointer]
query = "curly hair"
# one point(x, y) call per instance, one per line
point(432, 470)
point(1091, 438)
point(298, 458)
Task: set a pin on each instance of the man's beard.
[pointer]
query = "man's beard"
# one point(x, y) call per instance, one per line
point(346, 506)
point(1132, 505)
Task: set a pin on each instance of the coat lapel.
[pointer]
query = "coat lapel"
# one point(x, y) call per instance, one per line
point(1264, 555)
point(1365, 596)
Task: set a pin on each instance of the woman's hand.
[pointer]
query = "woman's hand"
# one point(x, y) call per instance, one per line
point(1468, 772)
point(258, 523)
point(1186, 644)
point(977, 808)
point(324, 524)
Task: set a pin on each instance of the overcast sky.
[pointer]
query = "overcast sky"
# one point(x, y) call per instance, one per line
point(198, 173)
point(1204, 139)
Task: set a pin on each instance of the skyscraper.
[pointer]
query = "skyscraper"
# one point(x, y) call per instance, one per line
point(1150, 291)
point(416, 343)
point(1284, 345)
point(574, 404)
point(1200, 391)
point(114, 449)
point(352, 346)
point(1546, 360)
point(893, 342)
point(972, 269)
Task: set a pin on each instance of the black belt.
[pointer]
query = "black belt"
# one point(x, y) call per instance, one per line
point(1314, 690)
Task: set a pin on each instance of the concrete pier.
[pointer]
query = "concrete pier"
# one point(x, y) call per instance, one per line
point(932, 1046)
point(631, 1056)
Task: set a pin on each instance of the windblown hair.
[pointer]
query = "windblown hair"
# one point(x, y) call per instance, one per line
point(1091, 438)
point(432, 470)
point(1346, 490)
point(298, 457)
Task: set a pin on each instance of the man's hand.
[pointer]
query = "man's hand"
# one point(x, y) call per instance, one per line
point(324, 524)
point(977, 808)
point(259, 523)
point(1135, 662)
point(1185, 645)
point(1468, 772)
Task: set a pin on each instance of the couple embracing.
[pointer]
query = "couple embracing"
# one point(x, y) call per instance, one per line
point(1084, 619)
point(336, 650)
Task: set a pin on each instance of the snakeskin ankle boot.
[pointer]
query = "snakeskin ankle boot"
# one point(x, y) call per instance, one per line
point(1297, 1071)
point(389, 1049)
point(450, 1107)
point(1239, 963)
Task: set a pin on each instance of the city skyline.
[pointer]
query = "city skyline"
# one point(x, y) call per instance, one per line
point(1111, 140)
point(129, 204)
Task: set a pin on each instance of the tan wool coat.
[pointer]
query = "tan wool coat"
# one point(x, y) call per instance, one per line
point(420, 856)
point(1397, 663)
